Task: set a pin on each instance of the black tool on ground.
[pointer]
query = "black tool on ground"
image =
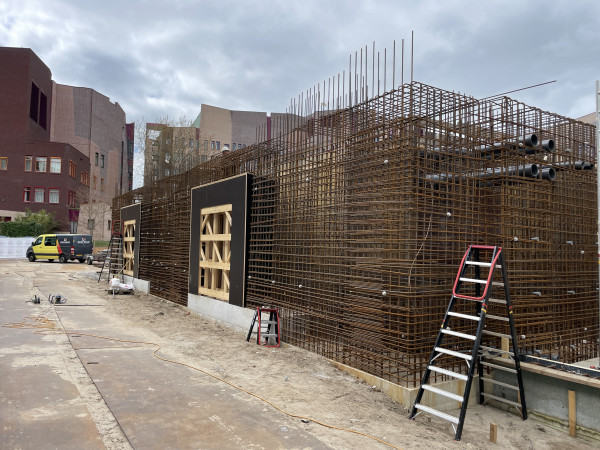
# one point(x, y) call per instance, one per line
point(268, 333)
point(35, 299)
point(56, 299)
point(465, 346)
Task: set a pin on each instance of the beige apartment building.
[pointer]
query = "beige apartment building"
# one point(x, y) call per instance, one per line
point(174, 150)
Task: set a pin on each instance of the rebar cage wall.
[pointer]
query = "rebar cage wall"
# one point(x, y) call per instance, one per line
point(360, 217)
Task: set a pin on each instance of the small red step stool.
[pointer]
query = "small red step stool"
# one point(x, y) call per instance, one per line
point(267, 328)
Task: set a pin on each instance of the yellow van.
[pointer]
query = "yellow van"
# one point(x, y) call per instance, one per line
point(65, 247)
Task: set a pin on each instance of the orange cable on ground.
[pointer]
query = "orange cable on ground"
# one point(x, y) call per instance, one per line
point(43, 325)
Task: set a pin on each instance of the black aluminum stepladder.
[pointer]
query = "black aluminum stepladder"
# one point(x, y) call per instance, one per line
point(465, 343)
point(113, 264)
point(268, 332)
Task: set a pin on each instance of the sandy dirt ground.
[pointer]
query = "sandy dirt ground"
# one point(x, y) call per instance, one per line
point(300, 382)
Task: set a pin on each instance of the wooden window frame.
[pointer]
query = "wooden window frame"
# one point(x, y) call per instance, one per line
point(27, 189)
point(215, 251)
point(5, 160)
point(128, 247)
point(53, 159)
point(45, 158)
point(30, 159)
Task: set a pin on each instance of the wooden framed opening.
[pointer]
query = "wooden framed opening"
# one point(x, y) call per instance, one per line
point(215, 251)
point(128, 247)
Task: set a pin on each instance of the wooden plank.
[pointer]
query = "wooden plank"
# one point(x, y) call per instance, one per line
point(215, 237)
point(553, 373)
point(493, 432)
point(220, 295)
point(216, 209)
point(214, 265)
point(572, 415)
point(505, 347)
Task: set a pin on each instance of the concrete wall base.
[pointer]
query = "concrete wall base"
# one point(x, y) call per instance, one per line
point(406, 396)
point(139, 285)
point(234, 316)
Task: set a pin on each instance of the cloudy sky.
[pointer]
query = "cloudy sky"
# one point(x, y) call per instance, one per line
point(160, 58)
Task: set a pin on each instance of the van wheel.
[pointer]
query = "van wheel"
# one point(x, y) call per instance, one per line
point(81, 260)
point(62, 259)
point(89, 261)
point(31, 257)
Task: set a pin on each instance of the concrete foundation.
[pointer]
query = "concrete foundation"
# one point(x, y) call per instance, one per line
point(139, 285)
point(234, 316)
point(547, 396)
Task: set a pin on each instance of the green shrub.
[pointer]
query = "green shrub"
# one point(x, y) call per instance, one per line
point(30, 224)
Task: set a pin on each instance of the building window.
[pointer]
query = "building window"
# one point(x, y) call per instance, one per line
point(3, 163)
point(218, 145)
point(109, 224)
point(101, 160)
point(212, 145)
point(43, 105)
point(27, 194)
point(91, 224)
point(40, 163)
point(97, 155)
point(39, 195)
point(85, 178)
point(55, 165)
point(203, 158)
point(95, 185)
point(28, 163)
point(37, 106)
point(102, 184)
point(205, 145)
point(71, 198)
point(33, 105)
point(53, 195)
point(72, 169)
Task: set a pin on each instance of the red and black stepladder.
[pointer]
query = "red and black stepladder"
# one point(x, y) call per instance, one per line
point(268, 328)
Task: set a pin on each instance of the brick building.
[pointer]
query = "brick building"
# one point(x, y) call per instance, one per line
point(61, 147)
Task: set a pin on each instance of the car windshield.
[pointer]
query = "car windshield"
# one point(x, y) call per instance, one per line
point(38, 241)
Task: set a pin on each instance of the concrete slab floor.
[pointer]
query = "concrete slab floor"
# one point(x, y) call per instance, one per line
point(155, 405)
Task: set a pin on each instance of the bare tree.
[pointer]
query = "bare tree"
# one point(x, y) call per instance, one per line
point(170, 147)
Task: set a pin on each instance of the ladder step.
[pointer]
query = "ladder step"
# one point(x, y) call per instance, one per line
point(497, 283)
point(500, 399)
point(497, 300)
point(496, 366)
point(463, 316)
point(454, 353)
point(499, 383)
point(460, 335)
point(477, 263)
point(268, 334)
point(473, 280)
point(435, 390)
point(491, 316)
point(435, 412)
point(460, 376)
point(493, 333)
point(497, 350)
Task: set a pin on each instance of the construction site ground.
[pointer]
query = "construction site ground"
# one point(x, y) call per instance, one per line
point(73, 390)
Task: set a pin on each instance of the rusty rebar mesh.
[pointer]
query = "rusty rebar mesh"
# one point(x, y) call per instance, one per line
point(360, 216)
